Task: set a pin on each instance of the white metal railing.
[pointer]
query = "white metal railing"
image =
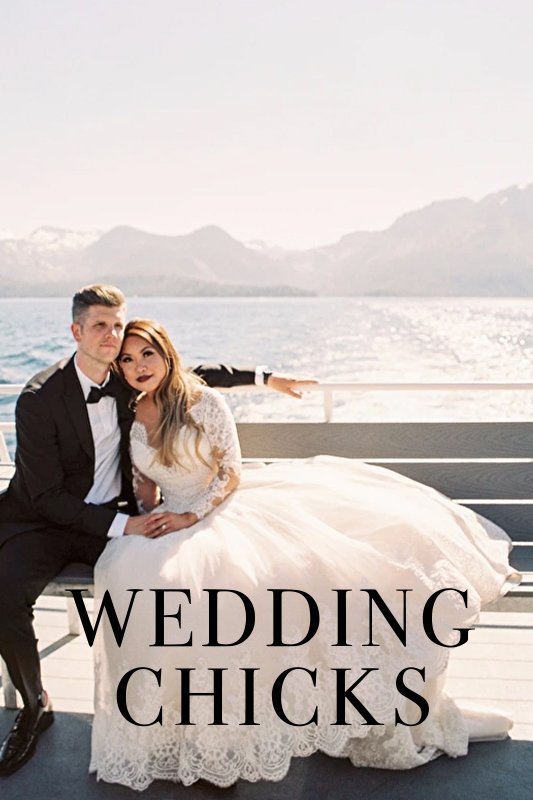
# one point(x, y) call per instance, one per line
point(7, 427)
point(11, 388)
point(7, 389)
point(329, 388)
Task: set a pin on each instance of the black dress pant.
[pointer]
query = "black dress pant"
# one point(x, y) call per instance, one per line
point(28, 561)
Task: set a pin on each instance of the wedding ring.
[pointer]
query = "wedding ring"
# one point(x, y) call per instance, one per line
point(163, 526)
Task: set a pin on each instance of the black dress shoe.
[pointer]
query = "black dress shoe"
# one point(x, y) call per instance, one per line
point(20, 744)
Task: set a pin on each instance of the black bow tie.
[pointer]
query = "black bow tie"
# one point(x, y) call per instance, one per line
point(97, 392)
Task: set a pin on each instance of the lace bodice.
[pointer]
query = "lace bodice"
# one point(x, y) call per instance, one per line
point(193, 485)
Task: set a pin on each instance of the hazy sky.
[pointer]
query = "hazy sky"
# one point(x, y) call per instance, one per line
point(294, 122)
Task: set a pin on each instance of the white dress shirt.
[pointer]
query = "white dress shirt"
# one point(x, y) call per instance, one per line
point(107, 481)
point(259, 378)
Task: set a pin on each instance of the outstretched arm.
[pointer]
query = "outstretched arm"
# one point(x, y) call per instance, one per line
point(222, 376)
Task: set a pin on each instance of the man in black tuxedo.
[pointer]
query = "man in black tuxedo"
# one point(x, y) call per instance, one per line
point(72, 488)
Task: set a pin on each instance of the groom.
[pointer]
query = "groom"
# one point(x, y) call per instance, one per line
point(72, 488)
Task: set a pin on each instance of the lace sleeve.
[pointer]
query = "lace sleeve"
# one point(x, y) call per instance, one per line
point(221, 432)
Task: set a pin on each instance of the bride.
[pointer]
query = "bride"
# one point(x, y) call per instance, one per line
point(284, 608)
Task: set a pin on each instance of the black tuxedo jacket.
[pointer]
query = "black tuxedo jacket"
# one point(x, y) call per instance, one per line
point(54, 460)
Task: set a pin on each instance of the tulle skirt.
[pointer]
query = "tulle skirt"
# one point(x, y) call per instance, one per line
point(305, 607)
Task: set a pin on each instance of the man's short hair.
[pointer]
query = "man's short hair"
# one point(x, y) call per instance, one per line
point(99, 294)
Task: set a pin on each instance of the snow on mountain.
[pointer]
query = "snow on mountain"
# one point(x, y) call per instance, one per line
point(5, 234)
point(449, 247)
point(58, 239)
point(207, 254)
point(270, 250)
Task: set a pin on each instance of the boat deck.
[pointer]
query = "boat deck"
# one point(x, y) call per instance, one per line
point(486, 466)
point(495, 667)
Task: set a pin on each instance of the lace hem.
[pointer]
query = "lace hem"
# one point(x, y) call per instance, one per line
point(223, 756)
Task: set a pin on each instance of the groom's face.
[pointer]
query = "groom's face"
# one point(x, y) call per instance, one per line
point(100, 332)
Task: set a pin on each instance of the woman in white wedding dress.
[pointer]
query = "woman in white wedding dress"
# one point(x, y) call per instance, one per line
point(319, 526)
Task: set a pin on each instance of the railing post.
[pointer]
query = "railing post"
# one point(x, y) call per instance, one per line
point(328, 405)
point(5, 458)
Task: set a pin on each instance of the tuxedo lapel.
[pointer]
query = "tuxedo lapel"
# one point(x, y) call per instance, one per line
point(77, 408)
point(125, 416)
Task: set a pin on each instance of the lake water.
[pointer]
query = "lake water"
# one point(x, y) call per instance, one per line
point(333, 339)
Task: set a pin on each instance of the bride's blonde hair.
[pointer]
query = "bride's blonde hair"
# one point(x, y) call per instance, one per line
point(175, 395)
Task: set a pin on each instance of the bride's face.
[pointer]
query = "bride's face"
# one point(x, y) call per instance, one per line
point(141, 364)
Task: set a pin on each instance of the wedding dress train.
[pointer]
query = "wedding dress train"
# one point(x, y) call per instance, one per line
point(319, 526)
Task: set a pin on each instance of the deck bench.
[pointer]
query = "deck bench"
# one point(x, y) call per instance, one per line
point(487, 466)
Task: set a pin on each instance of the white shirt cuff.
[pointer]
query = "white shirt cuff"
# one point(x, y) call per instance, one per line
point(260, 375)
point(118, 525)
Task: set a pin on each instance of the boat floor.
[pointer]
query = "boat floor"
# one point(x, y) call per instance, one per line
point(495, 667)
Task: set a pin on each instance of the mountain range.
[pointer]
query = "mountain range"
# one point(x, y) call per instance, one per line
point(450, 247)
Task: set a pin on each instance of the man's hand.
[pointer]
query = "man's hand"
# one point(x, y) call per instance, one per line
point(138, 526)
point(286, 385)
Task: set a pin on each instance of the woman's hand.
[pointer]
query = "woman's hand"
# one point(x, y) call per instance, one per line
point(139, 526)
point(168, 521)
